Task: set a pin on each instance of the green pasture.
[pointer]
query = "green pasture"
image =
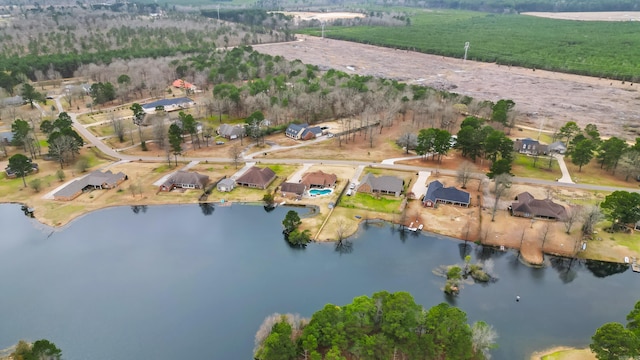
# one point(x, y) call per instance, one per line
point(595, 48)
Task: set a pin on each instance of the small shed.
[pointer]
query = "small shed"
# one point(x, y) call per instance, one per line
point(226, 185)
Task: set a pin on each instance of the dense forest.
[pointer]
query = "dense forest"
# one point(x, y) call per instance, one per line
point(54, 42)
point(383, 326)
point(497, 6)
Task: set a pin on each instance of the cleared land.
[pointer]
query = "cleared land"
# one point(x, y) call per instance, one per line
point(589, 16)
point(542, 97)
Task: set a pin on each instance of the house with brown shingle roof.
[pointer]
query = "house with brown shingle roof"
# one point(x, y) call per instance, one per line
point(389, 185)
point(527, 206)
point(185, 180)
point(319, 179)
point(256, 177)
point(292, 190)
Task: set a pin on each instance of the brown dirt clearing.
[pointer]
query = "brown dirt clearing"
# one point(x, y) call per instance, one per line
point(541, 96)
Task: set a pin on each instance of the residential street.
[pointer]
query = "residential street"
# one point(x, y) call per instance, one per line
point(565, 181)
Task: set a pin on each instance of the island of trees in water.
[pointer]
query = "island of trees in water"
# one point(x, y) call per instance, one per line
point(383, 326)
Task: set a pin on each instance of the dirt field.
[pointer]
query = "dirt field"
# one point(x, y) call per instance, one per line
point(590, 16)
point(302, 15)
point(541, 96)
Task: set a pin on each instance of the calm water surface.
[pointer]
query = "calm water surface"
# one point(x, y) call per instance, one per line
point(174, 283)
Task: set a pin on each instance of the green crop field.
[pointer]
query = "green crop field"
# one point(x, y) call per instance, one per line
point(595, 48)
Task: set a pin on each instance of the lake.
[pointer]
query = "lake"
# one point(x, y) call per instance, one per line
point(178, 282)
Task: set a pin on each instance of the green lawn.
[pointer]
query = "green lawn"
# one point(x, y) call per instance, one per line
point(596, 48)
point(387, 204)
point(523, 167)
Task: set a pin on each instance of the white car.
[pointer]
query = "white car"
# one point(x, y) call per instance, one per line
point(352, 186)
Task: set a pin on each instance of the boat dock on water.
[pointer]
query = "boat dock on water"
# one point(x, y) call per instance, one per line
point(634, 265)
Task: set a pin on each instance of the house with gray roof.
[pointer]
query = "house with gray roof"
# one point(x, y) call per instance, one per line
point(557, 147)
point(6, 137)
point(527, 206)
point(529, 146)
point(388, 185)
point(256, 177)
point(438, 193)
point(226, 185)
point(12, 101)
point(169, 105)
point(185, 180)
point(294, 131)
point(231, 132)
point(95, 180)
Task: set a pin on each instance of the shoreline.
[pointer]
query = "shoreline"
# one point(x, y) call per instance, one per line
point(314, 211)
point(568, 353)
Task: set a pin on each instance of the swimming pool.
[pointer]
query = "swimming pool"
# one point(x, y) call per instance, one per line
point(320, 192)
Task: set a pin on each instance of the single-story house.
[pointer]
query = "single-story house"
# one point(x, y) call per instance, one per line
point(93, 181)
point(438, 193)
point(169, 104)
point(185, 180)
point(231, 131)
point(181, 84)
point(319, 179)
point(529, 146)
point(256, 177)
point(386, 184)
point(12, 175)
point(226, 185)
point(12, 101)
point(527, 206)
point(557, 147)
point(6, 137)
point(292, 190)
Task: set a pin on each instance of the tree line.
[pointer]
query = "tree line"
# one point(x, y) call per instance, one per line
point(383, 326)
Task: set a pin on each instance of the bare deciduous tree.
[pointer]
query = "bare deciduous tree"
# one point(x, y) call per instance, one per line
point(160, 130)
point(573, 214)
point(590, 217)
point(118, 128)
point(545, 234)
point(341, 229)
point(502, 185)
point(235, 153)
point(465, 173)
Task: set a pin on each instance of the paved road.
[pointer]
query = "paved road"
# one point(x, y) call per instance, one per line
point(82, 130)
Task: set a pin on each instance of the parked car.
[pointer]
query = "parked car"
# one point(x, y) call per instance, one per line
point(219, 142)
point(349, 192)
point(352, 186)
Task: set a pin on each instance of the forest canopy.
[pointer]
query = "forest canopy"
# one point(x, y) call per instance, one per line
point(383, 326)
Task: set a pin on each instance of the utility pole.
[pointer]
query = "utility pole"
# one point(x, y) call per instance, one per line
point(466, 48)
point(218, 7)
point(323, 29)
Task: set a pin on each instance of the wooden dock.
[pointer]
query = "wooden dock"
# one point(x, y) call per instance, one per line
point(634, 265)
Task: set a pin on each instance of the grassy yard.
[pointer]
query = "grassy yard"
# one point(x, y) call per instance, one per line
point(593, 174)
point(523, 166)
point(386, 204)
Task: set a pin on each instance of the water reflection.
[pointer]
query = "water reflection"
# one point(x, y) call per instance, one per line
point(603, 269)
point(139, 208)
point(207, 208)
point(465, 249)
point(344, 247)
